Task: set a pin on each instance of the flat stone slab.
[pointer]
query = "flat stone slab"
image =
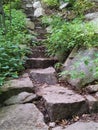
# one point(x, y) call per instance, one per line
point(34, 63)
point(15, 86)
point(80, 126)
point(21, 98)
point(42, 76)
point(62, 103)
point(21, 117)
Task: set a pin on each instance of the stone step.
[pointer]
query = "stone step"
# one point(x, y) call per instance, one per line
point(38, 52)
point(43, 76)
point(16, 86)
point(21, 117)
point(34, 63)
point(62, 103)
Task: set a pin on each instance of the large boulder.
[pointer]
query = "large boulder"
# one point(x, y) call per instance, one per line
point(80, 126)
point(62, 103)
point(80, 64)
point(21, 117)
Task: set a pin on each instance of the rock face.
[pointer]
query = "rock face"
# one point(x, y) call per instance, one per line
point(23, 97)
point(62, 103)
point(14, 87)
point(80, 126)
point(42, 76)
point(81, 62)
point(21, 117)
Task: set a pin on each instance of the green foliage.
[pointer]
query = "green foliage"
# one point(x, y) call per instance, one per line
point(14, 4)
point(51, 3)
point(65, 35)
point(80, 6)
point(13, 45)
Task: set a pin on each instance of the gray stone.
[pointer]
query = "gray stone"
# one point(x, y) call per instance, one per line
point(92, 88)
point(91, 16)
point(42, 76)
point(34, 63)
point(21, 117)
point(52, 124)
point(64, 5)
point(62, 103)
point(96, 95)
point(49, 29)
point(30, 24)
point(81, 62)
point(15, 86)
point(23, 97)
point(29, 5)
point(94, 22)
point(39, 12)
point(37, 4)
point(80, 126)
point(93, 103)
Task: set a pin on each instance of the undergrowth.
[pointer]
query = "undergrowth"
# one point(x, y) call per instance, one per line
point(13, 39)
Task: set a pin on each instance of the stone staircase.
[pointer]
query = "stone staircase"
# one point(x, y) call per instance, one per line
point(39, 59)
point(36, 95)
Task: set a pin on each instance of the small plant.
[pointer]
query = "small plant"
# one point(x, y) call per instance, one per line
point(58, 66)
point(51, 3)
point(81, 6)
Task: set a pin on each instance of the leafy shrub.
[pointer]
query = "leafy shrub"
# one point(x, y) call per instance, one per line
point(65, 35)
point(80, 6)
point(14, 4)
point(13, 45)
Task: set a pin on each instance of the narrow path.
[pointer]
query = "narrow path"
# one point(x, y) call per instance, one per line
point(37, 98)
